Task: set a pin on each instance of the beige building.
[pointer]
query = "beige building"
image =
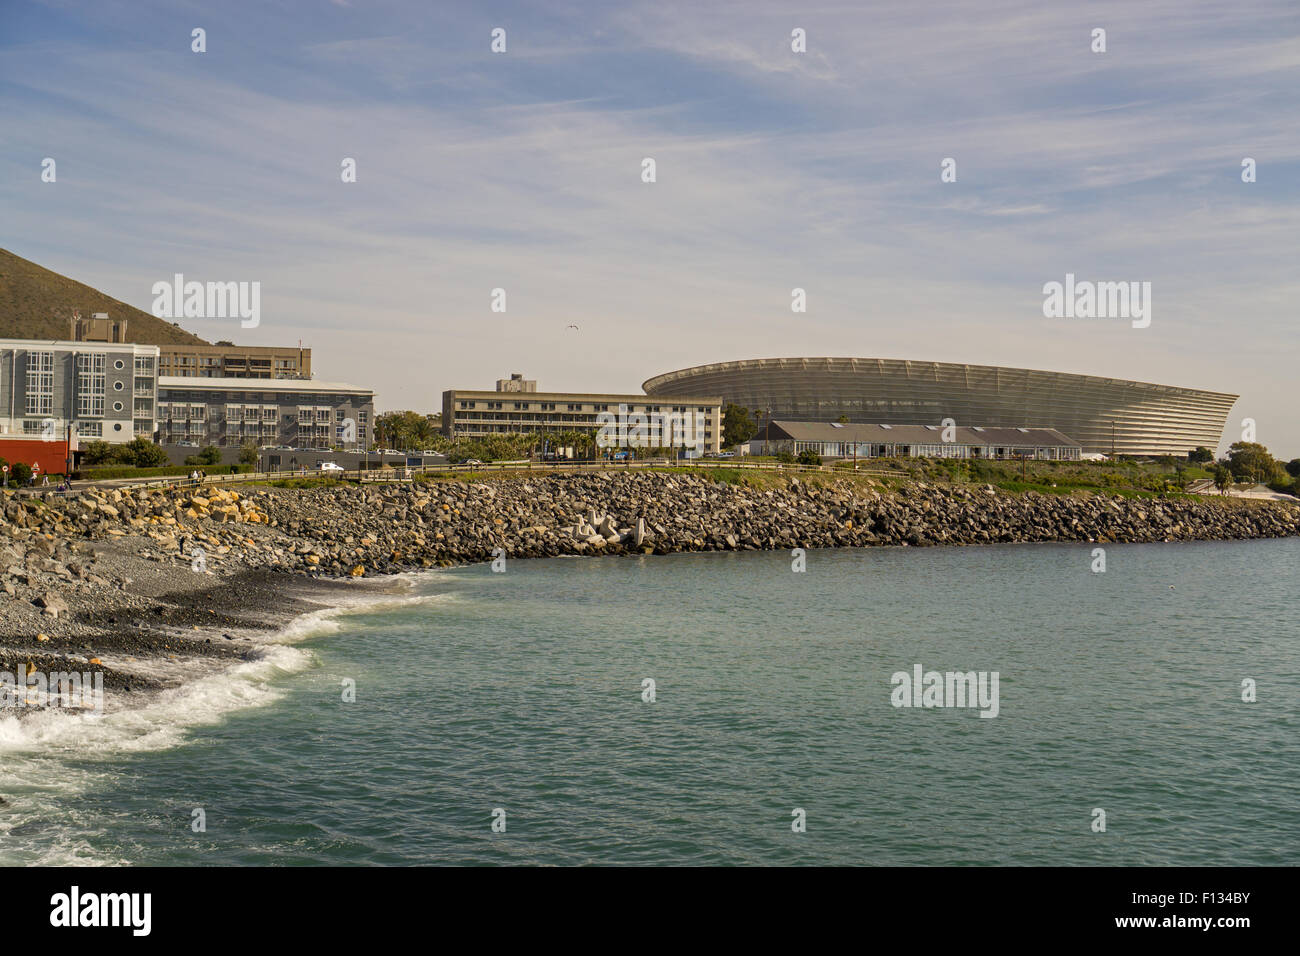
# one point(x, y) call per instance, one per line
point(234, 361)
point(516, 383)
point(98, 328)
point(626, 420)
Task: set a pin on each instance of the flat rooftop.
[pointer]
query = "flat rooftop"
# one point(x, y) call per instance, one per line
point(235, 384)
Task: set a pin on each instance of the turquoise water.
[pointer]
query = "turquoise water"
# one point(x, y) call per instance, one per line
point(523, 691)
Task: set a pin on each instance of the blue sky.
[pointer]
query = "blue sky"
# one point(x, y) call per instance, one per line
point(775, 170)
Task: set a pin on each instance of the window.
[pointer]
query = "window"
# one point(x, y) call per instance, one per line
point(119, 365)
point(40, 384)
point(90, 385)
point(144, 365)
point(117, 407)
point(117, 386)
point(90, 429)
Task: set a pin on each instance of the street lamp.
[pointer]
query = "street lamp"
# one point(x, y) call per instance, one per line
point(68, 451)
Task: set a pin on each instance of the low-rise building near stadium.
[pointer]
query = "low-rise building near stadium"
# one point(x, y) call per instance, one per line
point(290, 412)
point(835, 440)
point(510, 410)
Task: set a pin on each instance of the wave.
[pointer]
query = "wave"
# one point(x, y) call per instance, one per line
point(52, 757)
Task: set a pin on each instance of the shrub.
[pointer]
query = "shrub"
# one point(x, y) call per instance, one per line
point(19, 473)
point(208, 456)
point(97, 453)
point(809, 457)
point(142, 453)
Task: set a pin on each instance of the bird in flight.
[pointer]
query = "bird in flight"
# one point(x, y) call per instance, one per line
point(574, 327)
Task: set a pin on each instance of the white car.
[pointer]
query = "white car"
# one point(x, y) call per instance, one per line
point(329, 466)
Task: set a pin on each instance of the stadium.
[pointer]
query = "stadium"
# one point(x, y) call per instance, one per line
point(1105, 415)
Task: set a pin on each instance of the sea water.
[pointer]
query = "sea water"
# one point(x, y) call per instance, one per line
point(718, 709)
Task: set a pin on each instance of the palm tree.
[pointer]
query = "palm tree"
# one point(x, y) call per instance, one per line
point(1222, 478)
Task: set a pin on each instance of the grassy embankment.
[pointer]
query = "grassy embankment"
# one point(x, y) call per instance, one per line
point(1126, 479)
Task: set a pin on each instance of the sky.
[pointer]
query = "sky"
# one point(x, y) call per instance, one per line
point(775, 170)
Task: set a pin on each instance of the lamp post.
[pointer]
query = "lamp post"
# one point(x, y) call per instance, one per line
point(67, 448)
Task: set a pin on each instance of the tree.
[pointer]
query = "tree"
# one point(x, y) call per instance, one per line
point(1202, 454)
point(1222, 478)
point(97, 453)
point(19, 472)
point(1250, 461)
point(208, 456)
point(1293, 467)
point(738, 426)
point(408, 431)
point(142, 453)
point(248, 452)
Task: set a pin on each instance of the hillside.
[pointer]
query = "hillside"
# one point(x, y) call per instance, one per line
point(36, 303)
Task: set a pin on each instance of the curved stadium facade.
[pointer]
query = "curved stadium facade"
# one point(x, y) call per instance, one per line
point(1103, 414)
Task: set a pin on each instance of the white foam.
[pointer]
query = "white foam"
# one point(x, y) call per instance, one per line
point(53, 755)
point(167, 716)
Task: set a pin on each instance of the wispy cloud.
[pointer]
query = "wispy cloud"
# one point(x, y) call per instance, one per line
point(775, 170)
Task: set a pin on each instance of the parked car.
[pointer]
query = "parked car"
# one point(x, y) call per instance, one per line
point(329, 466)
point(471, 461)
